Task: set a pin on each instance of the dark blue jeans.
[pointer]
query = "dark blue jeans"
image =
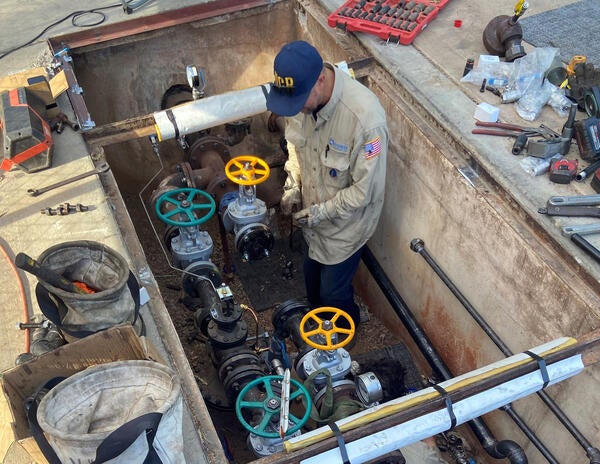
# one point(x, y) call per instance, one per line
point(331, 284)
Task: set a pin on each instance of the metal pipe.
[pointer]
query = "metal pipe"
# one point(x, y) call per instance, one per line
point(418, 246)
point(504, 449)
point(209, 112)
point(586, 246)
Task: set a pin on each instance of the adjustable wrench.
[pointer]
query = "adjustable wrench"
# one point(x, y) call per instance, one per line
point(103, 167)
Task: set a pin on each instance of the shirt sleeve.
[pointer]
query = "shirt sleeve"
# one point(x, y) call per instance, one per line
point(367, 170)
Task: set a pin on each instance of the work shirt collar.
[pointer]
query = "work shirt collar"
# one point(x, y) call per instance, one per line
point(327, 111)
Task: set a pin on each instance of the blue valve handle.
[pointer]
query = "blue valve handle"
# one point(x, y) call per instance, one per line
point(187, 206)
point(271, 406)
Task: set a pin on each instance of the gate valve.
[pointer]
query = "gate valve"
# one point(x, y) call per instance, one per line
point(268, 405)
point(326, 329)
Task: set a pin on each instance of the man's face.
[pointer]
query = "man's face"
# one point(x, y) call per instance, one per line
point(315, 98)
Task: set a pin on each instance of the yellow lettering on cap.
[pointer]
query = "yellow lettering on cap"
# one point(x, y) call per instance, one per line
point(285, 82)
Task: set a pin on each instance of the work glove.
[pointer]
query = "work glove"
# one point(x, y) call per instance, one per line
point(291, 200)
point(585, 77)
point(310, 217)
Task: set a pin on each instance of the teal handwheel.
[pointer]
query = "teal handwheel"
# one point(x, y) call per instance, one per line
point(269, 403)
point(191, 207)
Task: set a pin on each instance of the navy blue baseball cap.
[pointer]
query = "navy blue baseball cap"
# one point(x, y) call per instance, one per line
point(297, 67)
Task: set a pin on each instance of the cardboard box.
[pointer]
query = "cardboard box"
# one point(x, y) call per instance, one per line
point(114, 344)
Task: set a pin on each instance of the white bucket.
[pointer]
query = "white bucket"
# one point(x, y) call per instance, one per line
point(81, 411)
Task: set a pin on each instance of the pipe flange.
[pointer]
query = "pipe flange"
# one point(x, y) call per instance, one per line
point(254, 241)
point(204, 145)
point(285, 311)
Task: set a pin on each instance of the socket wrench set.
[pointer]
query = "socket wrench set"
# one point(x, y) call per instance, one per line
point(396, 21)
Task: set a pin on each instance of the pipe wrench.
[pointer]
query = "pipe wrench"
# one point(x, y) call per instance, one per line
point(574, 206)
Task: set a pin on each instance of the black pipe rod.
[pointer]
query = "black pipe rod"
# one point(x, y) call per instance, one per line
point(506, 448)
point(418, 246)
point(586, 246)
point(533, 438)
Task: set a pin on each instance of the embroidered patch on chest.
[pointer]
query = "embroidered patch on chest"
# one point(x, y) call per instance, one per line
point(372, 148)
point(338, 146)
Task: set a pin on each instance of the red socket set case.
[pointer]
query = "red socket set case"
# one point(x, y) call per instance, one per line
point(396, 21)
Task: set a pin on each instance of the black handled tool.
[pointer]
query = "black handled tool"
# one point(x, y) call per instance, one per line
point(28, 264)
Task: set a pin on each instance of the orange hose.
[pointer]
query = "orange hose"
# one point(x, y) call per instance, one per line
point(23, 297)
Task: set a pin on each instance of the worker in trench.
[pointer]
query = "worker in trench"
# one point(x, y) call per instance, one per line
point(337, 138)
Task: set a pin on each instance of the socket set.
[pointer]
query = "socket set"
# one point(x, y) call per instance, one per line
point(396, 21)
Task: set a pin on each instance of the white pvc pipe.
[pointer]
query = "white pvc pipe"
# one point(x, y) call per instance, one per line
point(212, 111)
point(386, 441)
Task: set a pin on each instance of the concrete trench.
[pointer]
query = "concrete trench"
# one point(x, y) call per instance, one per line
point(519, 277)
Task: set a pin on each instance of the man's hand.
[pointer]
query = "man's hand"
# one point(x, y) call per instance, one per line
point(309, 217)
point(291, 200)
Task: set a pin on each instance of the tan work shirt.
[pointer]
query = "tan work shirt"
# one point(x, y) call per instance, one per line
point(339, 161)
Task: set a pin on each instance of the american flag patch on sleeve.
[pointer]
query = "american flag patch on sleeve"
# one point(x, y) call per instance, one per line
point(372, 148)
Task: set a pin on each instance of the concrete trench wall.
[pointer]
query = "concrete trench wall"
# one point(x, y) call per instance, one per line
point(519, 285)
point(501, 263)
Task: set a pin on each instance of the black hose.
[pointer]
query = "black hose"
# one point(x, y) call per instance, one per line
point(504, 449)
point(418, 246)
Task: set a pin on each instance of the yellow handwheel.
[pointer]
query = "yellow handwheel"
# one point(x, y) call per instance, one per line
point(247, 170)
point(326, 328)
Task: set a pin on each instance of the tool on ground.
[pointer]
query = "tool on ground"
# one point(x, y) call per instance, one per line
point(582, 175)
point(581, 229)
point(595, 183)
point(61, 120)
point(575, 60)
point(591, 101)
point(28, 264)
point(587, 134)
point(468, 66)
point(558, 145)
point(64, 209)
point(103, 167)
point(586, 246)
point(26, 140)
point(585, 77)
point(503, 34)
point(573, 206)
point(563, 171)
point(520, 144)
point(284, 413)
point(514, 130)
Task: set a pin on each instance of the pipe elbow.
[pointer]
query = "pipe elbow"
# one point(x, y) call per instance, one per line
point(507, 449)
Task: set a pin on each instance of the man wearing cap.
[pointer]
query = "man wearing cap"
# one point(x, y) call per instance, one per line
point(337, 138)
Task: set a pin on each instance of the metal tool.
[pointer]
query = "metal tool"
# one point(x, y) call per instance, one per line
point(561, 144)
point(576, 200)
point(581, 229)
point(64, 209)
point(101, 168)
point(27, 263)
point(513, 130)
point(284, 412)
point(574, 206)
point(586, 246)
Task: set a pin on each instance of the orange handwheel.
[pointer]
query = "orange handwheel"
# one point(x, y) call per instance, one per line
point(327, 328)
point(247, 170)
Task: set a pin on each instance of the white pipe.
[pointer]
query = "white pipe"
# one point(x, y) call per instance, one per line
point(378, 444)
point(209, 112)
